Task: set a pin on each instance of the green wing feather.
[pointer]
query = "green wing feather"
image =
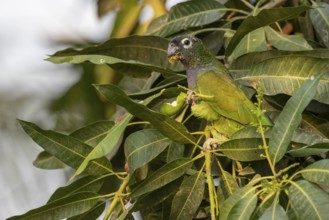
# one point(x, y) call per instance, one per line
point(223, 96)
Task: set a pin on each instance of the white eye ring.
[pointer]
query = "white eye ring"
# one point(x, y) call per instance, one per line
point(187, 43)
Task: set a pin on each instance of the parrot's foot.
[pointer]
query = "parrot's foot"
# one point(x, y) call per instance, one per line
point(211, 144)
point(191, 98)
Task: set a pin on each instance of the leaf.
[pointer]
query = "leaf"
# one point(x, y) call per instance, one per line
point(69, 150)
point(143, 146)
point(92, 213)
point(244, 208)
point(316, 125)
point(306, 151)
point(61, 209)
point(241, 66)
point(286, 74)
point(163, 176)
point(237, 196)
point(317, 172)
point(320, 19)
point(134, 50)
point(188, 198)
point(187, 14)
point(109, 145)
point(243, 149)
point(264, 18)
point(227, 185)
point(308, 200)
point(290, 118)
point(282, 41)
point(93, 133)
point(47, 161)
point(253, 41)
point(84, 184)
point(174, 151)
point(275, 212)
point(166, 125)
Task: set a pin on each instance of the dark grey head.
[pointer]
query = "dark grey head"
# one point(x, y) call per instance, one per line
point(189, 50)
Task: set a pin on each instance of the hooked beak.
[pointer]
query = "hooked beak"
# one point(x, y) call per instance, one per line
point(173, 54)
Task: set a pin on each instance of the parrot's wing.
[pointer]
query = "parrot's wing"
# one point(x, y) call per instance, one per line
point(224, 96)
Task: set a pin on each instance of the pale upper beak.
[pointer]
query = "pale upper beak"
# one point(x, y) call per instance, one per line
point(173, 53)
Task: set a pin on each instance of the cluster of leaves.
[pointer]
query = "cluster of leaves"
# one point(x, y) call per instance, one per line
point(279, 172)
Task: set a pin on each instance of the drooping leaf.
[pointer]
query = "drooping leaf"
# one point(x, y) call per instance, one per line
point(290, 118)
point(92, 213)
point(264, 18)
point(63, 208)
point(316, 125)
point(188, 198)
point(252, 42)
point(308, 200)
point(85, 184)
point(320, 19)
point(134, 50)
point(286, 74)
point(187, 14)
point(93, 133)
point(243, 149)
point(237, 196)
point(275, 212)
point(282, 41)
point(244, 208)
point(227, 185)
point(108, 146)
point(309, 150)
point(163, 176)
point(47, 161)
point(317, 172)
point(242, 66)
point(69, 150)
point(143, 146)
point(166, 125)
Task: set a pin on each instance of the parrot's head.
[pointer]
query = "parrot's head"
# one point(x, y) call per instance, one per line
point(186, 49)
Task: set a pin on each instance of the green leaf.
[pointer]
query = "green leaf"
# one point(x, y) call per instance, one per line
point(109, 145)
point(93, 133)
point(163, 176)
point(69, 150)
point(282, 41)
point(286, 74)
point(134, 50)
point(317, 172)
point(93, 213)
point(243, 149)
point(317, 125)
point(320, 19)
point(188, 198)
point(306, 151)
point(166, 125)
point(244, 208)
point(185, 15)
point(227, 185)
point(253, 41)
point(290, 118)
point(84, 184)
point(275, 212)
point(47, 161)
point(143, 146)
point(264, 18)
point(61, 209)
point(237, 196)
point(174, 151)
point(308, 200)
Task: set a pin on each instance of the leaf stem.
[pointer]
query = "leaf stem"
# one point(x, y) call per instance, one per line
point(210, 182)
point(117, 197)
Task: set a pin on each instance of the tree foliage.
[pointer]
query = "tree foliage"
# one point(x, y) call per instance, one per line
point(152, 155)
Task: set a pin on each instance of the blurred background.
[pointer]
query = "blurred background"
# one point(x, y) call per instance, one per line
point(31, 86)
point(58, 97)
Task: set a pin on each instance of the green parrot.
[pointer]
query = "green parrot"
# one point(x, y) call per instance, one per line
point(214, 93)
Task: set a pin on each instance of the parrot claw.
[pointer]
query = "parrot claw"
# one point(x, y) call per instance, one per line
point(191, 98)
point(211, 144)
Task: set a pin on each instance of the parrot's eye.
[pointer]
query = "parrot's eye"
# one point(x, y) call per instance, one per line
point(186, 42)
